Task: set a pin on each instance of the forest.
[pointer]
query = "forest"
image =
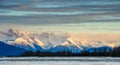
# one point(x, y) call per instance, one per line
point(114, 52)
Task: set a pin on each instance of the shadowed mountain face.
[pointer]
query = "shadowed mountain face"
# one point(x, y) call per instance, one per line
point(10, 50)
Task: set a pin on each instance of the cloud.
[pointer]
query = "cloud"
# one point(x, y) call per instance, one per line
point(62, 12)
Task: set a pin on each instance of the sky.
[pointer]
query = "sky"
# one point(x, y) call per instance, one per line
point(93, 16)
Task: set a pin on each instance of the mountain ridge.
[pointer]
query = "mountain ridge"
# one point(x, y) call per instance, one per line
point(10, 50)
point(46, 41)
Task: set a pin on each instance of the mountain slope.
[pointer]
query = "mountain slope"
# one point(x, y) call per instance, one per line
point(100, 49)
point(9, 50)
point(59, 49)
point(58, 41)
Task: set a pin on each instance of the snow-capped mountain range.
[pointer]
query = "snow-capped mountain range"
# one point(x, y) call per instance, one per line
point(54, 42)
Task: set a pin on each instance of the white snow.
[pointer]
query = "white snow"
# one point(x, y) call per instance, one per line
point(48, 40)
point(60, 61)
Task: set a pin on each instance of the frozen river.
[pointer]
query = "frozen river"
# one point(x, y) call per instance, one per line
point(59, 61)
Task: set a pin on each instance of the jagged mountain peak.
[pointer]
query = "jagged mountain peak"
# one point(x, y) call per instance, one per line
point(17, 33)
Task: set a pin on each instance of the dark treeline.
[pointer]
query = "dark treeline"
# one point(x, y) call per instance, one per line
point(115, 52)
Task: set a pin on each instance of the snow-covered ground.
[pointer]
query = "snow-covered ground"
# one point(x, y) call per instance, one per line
point(59, 61)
